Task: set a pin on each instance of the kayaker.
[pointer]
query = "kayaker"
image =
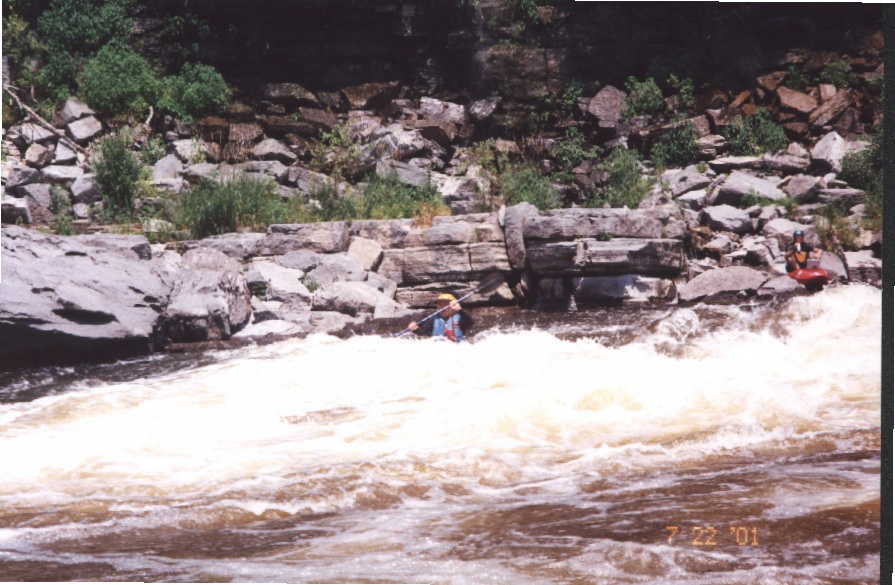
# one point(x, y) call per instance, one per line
point(448, 323)
point(800, 252)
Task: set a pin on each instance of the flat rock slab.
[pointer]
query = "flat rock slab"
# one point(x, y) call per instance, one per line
point(664, 221)
point(739, 185)
point(727, 218)
point(84, 129)
point(589, 256)
point(733, 279)
point(328, 236)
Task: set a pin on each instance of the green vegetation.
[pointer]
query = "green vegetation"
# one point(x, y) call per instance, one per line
point(644, 98)
point(337, 154)
point(837, 72)
point(196, 91)
point(627, 185)
point(571, 150)
point(152, 151)
point(117, 173)
point(60, 206)
point(119, 81)
point(755, 134)
point(676, 147)
point(796, 78)
point(864, 170)
point(526, 183)
point(684, 89)
point(834, 229)
point(214, 207)
point(753, 198)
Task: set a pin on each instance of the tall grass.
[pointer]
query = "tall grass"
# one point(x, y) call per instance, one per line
point(214, 207)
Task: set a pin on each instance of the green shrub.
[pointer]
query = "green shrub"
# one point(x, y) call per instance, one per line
point(644, 98)
point(795, 78)
point(117, 172)
point(152, 151)
point(526, 183)
point(196, 91)
point(676, 147)
point(119, 81)
point(754, 134)
point(214, 207)
point(864, 170)
point(685, 90)
point(627, 185)
point(60, 206)
point(838, 73)
point(83, 26)
point(571, 150)
point(337, 154)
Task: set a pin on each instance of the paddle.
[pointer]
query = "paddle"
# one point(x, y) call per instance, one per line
point(490, 283)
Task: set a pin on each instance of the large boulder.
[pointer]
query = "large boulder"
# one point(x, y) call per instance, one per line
point(802, 188)
point(84, 129)
point(663, 221)
point(403, 172)
point(19, 175)
point(863, 267)
point(326, 237)
point(830, 109)
point(210, 299)
point(428, 264)
point(720, 281)
point(739, 184)
point(782, 229)
point(38, 155)
point(590, 256)
point(289, 93)
point(368, 253)
point(797, 101)
point(167, 167)
point(370, 95)
point(606, 106)
point(14, 210)
point(273, 149)
point(29, 133)
point(727, 218)
point(828, 153)
point(351, 298)
point(334, 268)
point(681, 181)
point(74, 109)
point(434, 109)
point(271, 281)
point(61, 173)
point(76, 298)
point(514, 232)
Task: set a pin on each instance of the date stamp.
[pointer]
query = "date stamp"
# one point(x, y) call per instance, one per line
point(707, 536)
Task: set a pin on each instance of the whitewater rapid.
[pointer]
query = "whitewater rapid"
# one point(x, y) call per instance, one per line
point(420, 461)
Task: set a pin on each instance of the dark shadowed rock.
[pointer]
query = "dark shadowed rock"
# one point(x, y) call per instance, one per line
point(588, 256)
point(514, 232)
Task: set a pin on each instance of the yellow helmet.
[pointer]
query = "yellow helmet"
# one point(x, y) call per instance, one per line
point(446, 297)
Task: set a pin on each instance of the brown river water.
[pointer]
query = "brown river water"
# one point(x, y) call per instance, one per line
point(701, 445)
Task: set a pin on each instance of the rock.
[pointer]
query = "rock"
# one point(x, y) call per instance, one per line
point(450, 233)
point(739, 184)
point(202, 171)
point(830, 109)
point(434, 109)
point(38, 156)
point(607, 106)
point(289, 93)
point(304, 260)
point(828, 153)
point(784, 163)
point(796, 100)
point(781, 229)
point(30, 133)
point(335, 268)
point(351, 298)
point(210, 298)
point(84, 129)
point(718, 245)
point(154, 225)
point(80, 211)
point(14, 210)
point(680, 181)
point(74, 109)
point(694, 199)
point(325, 236)
point(802, 188)
point(394, 141)
point(514, 232)
point(772, 80)
point(63, 155)
point(664, 221)
point(720, 281)
point(168, 167)
point(404, 172)
point(190, 150)
point(20, 175)
point(384, 285)
point(63, 298)
point(625, 287)
point(271, 281)
point(588, 256)
point(285, 126)
point(779, 285)
point(269, 168)
point(370, 95)
point(308, 181)
point(827, 91)
point(39, 193)
point(84, 189)
point(729, 163)
point(841, 197)
point(330, 321)
point(420, 265)
point(482, 109)
point(727, 218)
point(862, 267)
point(796, 149)
point(368, 253)
point(60, 173)
point(275, 327)
point(834, 265)
point(273, 149)
point(711, 145)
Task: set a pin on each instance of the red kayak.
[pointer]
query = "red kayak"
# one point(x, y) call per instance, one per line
point(811, 277)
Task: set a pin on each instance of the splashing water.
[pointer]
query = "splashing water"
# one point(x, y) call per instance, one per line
point(520, 458)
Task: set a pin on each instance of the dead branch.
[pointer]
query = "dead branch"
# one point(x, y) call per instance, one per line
point(37, 118)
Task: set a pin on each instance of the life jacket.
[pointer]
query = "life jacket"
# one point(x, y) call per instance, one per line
point(449, 330)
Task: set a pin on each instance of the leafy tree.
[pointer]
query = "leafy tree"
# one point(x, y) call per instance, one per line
point(196, 91)
point(119, 81)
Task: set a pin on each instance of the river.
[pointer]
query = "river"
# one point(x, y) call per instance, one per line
point(745, 452)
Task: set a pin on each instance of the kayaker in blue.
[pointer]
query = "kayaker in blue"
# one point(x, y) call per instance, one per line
point(448, 323)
